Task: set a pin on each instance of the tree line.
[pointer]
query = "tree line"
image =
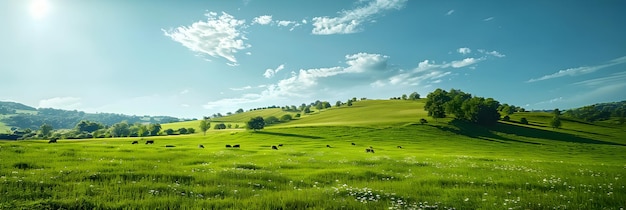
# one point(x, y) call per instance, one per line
point(464, 106)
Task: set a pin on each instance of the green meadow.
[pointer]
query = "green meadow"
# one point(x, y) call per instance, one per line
point(443, 164)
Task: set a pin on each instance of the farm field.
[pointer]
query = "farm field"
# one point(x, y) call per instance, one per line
point(440, 165)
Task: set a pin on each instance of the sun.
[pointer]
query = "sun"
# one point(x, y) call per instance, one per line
point(39, 8)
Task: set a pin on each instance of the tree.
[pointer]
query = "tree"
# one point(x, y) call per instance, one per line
point(326, 104)
point(256, 123)
point(349, 103)
point(204, 126)
point(191, 130)
point(45, 130)
point(523, 121)
point(169, 131)
point(556, 119)
point(271, 120)
point(319, 106)
point(154, 129)
point(87, 126)
point(435, 103)
point(182, 131)
point(414, 96)
point(404, 97)
point(454, 106)
point(286, 118)
point(120, 129)
point(240, 110)
point(423, 121)
point(307, 109)
point(338, 104)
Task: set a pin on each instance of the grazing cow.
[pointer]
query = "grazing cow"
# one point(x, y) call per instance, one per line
point(201, 146)
point(371, 147)
point(53, 140)
point(328, 146)
point(236, 146)
point(275, 147)
point(399, 147)
point(369, 150)
point(228, 146)
point(169, 145)
point(353, 144)
point(135, 142)
point(150, 142)
point(280, 145)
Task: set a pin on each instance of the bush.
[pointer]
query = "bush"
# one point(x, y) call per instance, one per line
point(298, 115)
point(219, 126)
point(191, 130)
point(169, 131)
point(506, 118)
point(523, 121)
point(423, 121)
point(271, 120)
point(286, 118)
point(182, 131)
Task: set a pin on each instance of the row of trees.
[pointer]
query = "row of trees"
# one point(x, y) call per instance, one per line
point(463, 106)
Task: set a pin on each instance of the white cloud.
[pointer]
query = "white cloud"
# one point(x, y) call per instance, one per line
point(285, 22)
point(450, 12)
point(241, 88)
point(550, 101)
point(349, 21)
point(263, 20)
point(185, 91)
point(218, 36)
point(488, 19)
point(465, 62)
point(67, 103)
point(269, 73)
point(580, 70)
point(618, 77)
point(464, 50)
point(426, 72)
point(300, 83)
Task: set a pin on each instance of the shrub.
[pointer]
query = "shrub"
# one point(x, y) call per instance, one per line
point(523, 121)
point(506, 118)
point(423, 121)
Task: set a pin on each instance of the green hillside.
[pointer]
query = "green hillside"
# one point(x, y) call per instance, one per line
point(323, 164)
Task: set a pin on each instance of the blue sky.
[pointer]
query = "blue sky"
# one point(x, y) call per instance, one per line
point(196, 58)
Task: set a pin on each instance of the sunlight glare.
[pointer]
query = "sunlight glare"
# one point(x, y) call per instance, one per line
point(39, 8)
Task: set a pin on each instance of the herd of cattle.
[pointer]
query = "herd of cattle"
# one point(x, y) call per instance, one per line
point(274, 147)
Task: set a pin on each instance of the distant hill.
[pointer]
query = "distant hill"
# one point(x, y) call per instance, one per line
point(20, 116)
point(600, 111)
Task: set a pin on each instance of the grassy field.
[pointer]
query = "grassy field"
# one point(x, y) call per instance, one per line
point(440, 165)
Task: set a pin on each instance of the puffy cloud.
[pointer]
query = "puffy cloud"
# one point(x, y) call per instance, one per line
point(218, 36)
point(450, 12)
point(488, 19)
point(464, 50)
point(492, 53)
point(263, 20)
point(349, 21)
point(580, 70)
point(269, 73)
point(426, 72)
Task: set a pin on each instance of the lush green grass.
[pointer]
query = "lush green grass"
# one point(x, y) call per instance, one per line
point(445, 164)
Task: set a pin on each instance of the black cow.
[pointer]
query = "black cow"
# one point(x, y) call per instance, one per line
point(228, 146)
point(275, 147)
point(236, 146)
point(353, 144)
point(135, 142)
point(150, 142)
point(328, 146)
point(369, 150)
point(201, 146)
point(53, 140)
point(169, 145)
point(399, 147)
point(280, 145)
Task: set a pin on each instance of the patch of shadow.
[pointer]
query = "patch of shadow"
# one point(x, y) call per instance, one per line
point(288, 135)
point(477, 131)
point(546, 134)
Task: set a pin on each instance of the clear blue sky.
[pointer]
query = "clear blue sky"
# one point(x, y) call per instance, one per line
point(196, 58)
